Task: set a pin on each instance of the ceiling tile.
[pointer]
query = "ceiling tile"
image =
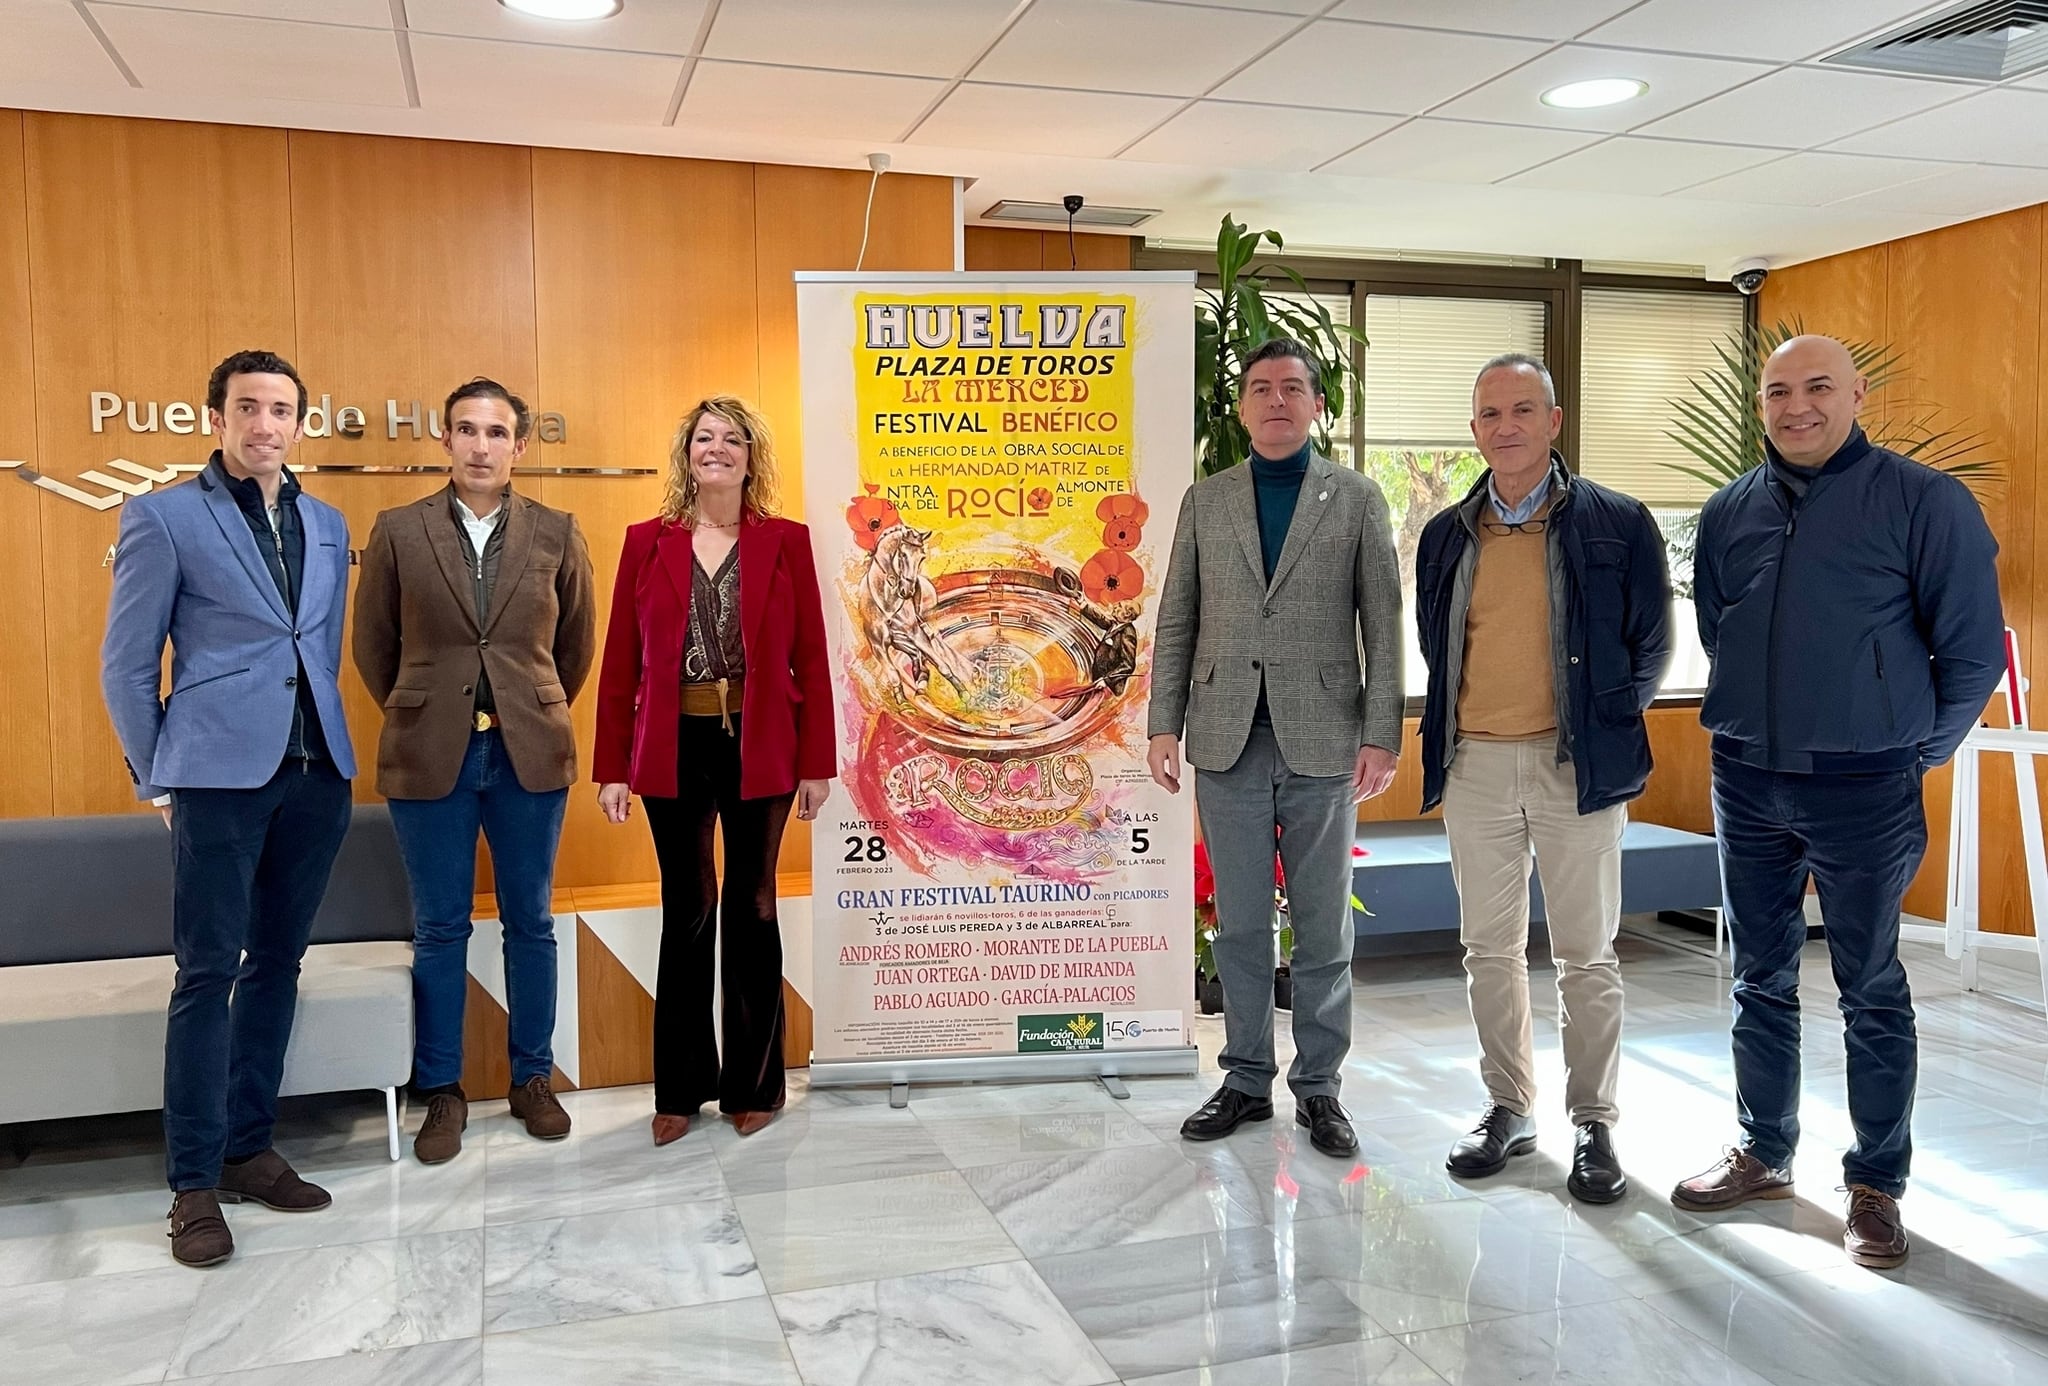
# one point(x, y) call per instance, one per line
point(48, 42)
point(1233, 134)
point(1303, 7)
point(1800, 107)
point(1456, 151)
point(1371, 67)
point(1814, 180)
point(1780, 30)
point(668, 27)
point(1674, 82)
point(1126, 45)
point(1971, 191)
point(796, 101)
point(2002, 126)
point(1646, 168)
point(196, 54)
point(369, 14)
point(1035, 120)
point(574, 84)
point(907, 36)
point(1552, 19)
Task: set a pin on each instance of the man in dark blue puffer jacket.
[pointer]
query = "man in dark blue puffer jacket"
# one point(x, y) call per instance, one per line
point(1848, 601)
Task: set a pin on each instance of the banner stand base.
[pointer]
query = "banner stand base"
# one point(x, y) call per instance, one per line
point(1107, 1068)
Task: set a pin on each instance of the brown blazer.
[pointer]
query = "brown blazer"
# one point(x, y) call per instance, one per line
point(418, 645)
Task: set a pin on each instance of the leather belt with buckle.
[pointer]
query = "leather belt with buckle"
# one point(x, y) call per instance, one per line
point(486, 721)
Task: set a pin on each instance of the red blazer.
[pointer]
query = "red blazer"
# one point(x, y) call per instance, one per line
point(786, 726)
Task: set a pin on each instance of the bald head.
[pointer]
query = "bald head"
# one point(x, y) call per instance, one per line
point(1811, 393)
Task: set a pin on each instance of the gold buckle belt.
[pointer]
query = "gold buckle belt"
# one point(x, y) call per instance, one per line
point(486, 721)
point(720, 699)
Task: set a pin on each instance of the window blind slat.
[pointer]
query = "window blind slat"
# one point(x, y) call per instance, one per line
point(1640, 350)
point(1423, 355)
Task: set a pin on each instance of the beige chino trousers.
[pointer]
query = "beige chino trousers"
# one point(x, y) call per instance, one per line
point(1501, 799)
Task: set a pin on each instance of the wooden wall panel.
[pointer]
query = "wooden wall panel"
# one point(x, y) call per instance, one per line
point(1953, 294)
point(1007, 248)
point(1680, 791)
point(195, 262)
point(25, 788)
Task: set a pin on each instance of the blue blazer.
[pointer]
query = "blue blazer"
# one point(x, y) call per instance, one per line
point(186, 569)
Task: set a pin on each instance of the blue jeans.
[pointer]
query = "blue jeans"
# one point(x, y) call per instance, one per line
point(250, 867)
point(1861, 838)
point(437, 838)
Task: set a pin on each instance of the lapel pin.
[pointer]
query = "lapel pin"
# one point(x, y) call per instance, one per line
point(1322, 495)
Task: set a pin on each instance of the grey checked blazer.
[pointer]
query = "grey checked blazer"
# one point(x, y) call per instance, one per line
point(1325, 635)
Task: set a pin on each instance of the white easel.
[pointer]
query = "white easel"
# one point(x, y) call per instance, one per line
point(1961, 935)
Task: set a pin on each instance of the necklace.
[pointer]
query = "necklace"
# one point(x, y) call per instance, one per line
point(704, 525)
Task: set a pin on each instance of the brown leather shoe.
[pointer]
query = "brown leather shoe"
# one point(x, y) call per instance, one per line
point(440, 1137)
point(747, 1123)
point(669, 1129)
point(1873, 1234)
point(268, 1180)
point(534, 1103)
point(1739, 1178)
point(199, 1234)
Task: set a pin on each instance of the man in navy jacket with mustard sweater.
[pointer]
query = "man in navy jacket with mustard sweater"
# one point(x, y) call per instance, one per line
point(1848, 601)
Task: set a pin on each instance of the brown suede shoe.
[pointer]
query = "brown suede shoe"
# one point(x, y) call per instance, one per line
point(1873, 1234)
point(268, 1180)
point(199, 1234)
point(440, 1137)
point(747, 1123)
point(1739, 1178)
point(534, 1103)
point(669, 1129)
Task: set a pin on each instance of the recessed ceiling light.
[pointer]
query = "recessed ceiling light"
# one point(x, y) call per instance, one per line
point(1601, 91)
point(565, 9)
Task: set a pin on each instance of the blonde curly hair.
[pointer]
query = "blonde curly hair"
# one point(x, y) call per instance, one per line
point(760, 494)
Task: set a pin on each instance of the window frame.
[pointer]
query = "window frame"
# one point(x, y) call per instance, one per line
point(1559, 285)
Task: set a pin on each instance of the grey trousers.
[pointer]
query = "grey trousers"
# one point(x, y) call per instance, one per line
point(1240, 809)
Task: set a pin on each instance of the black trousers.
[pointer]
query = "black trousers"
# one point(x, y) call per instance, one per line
point(251, 869)
point(687, 1071)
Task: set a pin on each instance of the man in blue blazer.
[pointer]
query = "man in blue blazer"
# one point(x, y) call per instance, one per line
point(248, 759)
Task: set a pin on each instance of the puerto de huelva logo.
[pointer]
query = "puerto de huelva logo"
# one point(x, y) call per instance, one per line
point(1059, 1034)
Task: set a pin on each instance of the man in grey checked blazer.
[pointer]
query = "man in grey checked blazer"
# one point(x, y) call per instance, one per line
point(1279, 654)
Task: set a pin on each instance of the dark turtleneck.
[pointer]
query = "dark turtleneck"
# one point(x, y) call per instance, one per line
point(1276, 486)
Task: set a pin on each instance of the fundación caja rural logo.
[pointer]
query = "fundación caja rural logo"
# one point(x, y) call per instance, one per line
point(1059, 1034)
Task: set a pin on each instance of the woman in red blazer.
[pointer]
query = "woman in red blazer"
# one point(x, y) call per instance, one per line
point(714, 706)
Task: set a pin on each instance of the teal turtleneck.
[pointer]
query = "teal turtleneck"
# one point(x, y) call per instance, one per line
point(1276, 486)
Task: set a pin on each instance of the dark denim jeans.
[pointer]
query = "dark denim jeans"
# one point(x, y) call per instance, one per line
point(1861, 838)
point(437, 837)
point(250, 869)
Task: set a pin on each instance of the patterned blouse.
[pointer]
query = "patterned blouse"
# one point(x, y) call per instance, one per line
point(714, 606)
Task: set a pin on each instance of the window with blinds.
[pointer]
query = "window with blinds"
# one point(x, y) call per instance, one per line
point(1639, 351)
point(1423, 356)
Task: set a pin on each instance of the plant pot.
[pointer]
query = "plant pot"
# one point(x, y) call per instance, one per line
point(1283, 988)
point(1208, 993)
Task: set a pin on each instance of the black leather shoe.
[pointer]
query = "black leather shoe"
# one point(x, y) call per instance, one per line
point(1329, 1127)
point(1223, 1113)
point(1498, 1138)
point(1596, 1172)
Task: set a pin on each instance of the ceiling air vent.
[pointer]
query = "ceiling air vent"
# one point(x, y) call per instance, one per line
point(1988, 40)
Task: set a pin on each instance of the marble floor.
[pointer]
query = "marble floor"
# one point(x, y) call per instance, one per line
point(1048, 1235)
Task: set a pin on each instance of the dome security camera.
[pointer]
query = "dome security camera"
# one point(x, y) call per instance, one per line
point(1749, 276)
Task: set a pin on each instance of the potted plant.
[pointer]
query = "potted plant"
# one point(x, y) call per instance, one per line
point(1239, 315)
point(1208, 986)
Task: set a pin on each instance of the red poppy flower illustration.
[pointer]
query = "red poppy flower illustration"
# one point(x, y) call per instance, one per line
point(1040, 500)
point(1122, 506)
point(1120, 534)
point(1111, 577)
point(869, 516)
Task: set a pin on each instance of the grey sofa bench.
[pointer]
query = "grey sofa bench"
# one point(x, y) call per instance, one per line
point(1405, 877)
point(86, 969)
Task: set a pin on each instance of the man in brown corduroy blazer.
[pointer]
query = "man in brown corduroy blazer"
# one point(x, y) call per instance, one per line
point(475, 629)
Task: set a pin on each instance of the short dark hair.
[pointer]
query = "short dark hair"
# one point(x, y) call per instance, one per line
point(483, 387)
point(1288, 348)
point(250, 363)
